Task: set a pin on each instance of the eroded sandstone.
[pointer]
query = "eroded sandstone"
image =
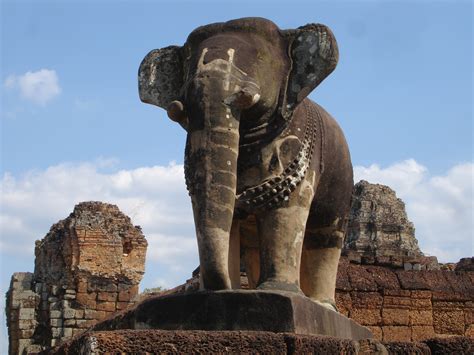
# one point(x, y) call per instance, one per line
point(87, 267)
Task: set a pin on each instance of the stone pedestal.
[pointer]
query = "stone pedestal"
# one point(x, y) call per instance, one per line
point(271, 311)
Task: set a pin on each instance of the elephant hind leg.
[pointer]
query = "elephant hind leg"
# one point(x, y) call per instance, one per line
point(319, 262)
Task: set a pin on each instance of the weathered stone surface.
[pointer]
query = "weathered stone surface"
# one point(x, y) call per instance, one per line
point(79, 267)
point(465, 264)
point(402, 348)
point(206, 342)
point(94, 231)
point(396, 333)
point(379, 231)
point(406, 305)
point(248, 342)
point(453, 345)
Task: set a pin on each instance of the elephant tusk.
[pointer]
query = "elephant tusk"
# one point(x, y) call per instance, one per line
point(243, 99)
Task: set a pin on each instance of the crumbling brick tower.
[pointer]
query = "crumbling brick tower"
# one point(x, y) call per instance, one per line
point(87, 267)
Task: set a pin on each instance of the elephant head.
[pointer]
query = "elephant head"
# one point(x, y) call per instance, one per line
point(230, 78)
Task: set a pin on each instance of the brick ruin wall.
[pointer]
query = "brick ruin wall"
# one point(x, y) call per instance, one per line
point(87, 267)
point(408, 305)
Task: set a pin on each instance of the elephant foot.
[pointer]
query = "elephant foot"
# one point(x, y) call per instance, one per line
point(329, 304)
point(279, 286)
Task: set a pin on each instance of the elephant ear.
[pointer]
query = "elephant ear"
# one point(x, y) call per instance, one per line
point(160, 76)
point(314, 54)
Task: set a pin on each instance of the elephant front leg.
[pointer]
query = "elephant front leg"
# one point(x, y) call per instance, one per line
point(281, 234)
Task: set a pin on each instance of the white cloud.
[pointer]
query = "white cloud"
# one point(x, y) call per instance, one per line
point(441, 207)
point(154, 197)
point(38, 87)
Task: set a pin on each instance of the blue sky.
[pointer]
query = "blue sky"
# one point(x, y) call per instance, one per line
point(73, 128)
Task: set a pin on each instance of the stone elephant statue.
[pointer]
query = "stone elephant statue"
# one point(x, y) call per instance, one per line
point(268, 170)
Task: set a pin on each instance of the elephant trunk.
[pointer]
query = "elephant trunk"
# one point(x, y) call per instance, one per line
point(211, 176)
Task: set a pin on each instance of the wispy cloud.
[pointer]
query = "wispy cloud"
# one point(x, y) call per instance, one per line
point(38, 87)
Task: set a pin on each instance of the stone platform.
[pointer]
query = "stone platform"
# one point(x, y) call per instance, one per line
point(270, 311)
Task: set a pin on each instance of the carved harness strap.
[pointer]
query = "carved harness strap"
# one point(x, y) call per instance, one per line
point(272, 192)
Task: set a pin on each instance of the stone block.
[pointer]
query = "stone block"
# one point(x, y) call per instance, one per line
point(122, 305)
point(396, 333)
point(67, 332)
point(107, 296)
point(421, 317)
point(369, 300)
point(238, 310)
point(420, 294)
point(397, 292)
point(69, 322)
point(448, 322)
point(26, 333)
point(35, 349)
point(26, 323)
point(101, 285)
point(366, 316)
point(411, 280)
point(87, 299)
point(69, 296)
point(125, 295)
point(26, 313)
point(82, 286)
point(421, 303)
point(106, 306)
point(361, 279)
point(90, 314)
point(30, 301)
point(343, 302)
point(376, 331)
point(56, 322)
point(384, 277)
point(395, 316)
point(81, 323)
point(69, 313)
point(23, 345)
point(79, 314)
point(422, 332)
point(56, 332)
point(396, 302)
point(55, 314)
